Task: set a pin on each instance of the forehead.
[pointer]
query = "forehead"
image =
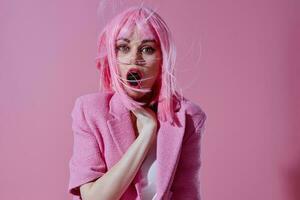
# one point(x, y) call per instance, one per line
point(137, 30)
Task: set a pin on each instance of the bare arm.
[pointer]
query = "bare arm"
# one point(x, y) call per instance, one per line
point(115, 181)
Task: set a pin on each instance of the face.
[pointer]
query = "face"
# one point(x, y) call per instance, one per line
point(139, 60)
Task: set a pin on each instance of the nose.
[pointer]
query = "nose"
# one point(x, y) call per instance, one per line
point(136, 58)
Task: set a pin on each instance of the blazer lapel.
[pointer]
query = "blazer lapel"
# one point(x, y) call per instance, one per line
point(168, 151)
point(122, 132)
point(120, 125)
point(169, 139)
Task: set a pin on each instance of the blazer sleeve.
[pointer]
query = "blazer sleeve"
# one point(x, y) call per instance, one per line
point(86, 163)
point(186, 183)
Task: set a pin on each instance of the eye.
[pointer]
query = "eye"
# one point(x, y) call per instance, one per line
point(148, 50)
point(123, 48)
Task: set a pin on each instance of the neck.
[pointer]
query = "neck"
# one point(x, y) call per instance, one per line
point(146, 98)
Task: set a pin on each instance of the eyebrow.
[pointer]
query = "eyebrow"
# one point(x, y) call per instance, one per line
point(144, 41)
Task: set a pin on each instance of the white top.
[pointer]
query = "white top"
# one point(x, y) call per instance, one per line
point(148, 171)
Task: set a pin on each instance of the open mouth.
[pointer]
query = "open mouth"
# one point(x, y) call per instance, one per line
point(134, 77)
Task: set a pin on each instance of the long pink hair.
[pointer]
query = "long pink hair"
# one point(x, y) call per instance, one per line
point(164, 90)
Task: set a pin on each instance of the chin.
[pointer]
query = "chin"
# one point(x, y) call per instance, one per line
point(135, 95)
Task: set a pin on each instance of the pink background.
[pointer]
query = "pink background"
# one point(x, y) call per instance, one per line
point(247, 82)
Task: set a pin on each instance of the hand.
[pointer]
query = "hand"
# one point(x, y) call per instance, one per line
point(146, 121)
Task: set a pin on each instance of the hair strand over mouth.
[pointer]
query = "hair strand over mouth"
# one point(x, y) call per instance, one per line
point(164, 89)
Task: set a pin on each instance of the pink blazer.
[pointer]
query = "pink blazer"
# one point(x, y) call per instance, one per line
point(103, 132)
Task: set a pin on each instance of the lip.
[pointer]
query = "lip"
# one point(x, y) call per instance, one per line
point(135, 70)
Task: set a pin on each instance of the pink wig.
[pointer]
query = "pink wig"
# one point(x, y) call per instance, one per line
point(164, 90)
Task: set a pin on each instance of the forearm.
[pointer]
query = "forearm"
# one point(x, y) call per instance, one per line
point(115, 181)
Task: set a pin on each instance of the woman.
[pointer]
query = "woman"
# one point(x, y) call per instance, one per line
point(137, 138)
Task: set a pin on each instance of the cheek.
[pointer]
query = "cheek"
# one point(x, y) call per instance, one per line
point(154, 64)
point(153, 60)
point(154, 69)
point(122, 71)
point(123, 58)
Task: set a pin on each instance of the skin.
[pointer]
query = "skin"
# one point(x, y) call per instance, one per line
point(141, 51)
point(116, 180)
